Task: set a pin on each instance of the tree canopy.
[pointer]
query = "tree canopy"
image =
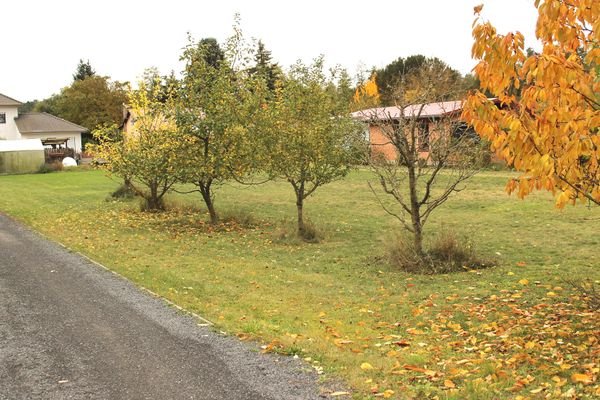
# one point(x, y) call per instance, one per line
point(218, 106)
point(401, 75)
point(548, 117)
point(313, 139)
point(265, 68)
point(148, 155)
point(91, 102)
point(84, 70)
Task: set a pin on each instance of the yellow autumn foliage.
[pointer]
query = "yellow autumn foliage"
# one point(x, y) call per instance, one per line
point(366, 94)
point(545, 118)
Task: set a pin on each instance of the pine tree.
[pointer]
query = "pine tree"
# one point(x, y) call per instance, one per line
point(84, 70)
point(264, 67)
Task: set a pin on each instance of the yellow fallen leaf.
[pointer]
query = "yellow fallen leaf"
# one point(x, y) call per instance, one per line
point(388, 393)
point(417, 311)
point(581, 378)
point(510, 273)
point(449, 384)
point(534, 391)
point(322, 314)
point(551, 294)
point(529, 345)
point(524, 282)
point(366, 366)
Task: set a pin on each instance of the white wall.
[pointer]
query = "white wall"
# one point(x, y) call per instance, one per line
point(9, 130)
point(73, 143)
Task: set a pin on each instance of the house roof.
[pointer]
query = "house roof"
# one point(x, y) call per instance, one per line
point(8, 101)
point(40, 122)
point(429, 110)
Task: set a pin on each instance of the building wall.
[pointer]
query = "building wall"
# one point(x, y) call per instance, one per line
point(380, 143)
point(9, 130)
point(73, 143)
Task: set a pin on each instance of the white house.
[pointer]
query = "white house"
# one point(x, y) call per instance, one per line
point(52, 131)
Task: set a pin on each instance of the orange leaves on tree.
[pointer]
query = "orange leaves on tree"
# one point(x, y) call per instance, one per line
point(545, 118)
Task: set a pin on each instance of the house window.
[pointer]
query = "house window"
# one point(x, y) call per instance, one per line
point(367, 134)
point(463, 130)
point(2, 118)
point(423, 137)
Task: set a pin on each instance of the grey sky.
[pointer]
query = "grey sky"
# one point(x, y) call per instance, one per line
point(43, 40)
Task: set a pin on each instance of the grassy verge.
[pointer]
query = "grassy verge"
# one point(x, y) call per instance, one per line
point(513, 330)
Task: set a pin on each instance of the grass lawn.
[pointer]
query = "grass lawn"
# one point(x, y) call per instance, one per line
point(517, 330)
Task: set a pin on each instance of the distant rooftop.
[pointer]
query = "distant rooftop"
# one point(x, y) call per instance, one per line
point(429, 110)
point(8, 101)
point(40, 122)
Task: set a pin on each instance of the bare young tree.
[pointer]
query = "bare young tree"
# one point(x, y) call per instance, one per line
point(422, 154)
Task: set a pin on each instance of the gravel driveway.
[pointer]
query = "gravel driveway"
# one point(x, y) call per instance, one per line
point(72, 330)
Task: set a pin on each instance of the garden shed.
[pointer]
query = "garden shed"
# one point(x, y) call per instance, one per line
point(21, 156)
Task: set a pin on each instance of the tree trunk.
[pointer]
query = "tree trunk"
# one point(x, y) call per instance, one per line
point(154, 201)
point(299, 206)
point(127, 182)
point(418, 239)
point(208, 200)
point(415, 209)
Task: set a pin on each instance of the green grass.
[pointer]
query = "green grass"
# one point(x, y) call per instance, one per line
point(335, 301)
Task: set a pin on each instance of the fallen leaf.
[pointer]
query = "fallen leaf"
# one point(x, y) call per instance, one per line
point(414, 368)
point(340, 342)
point(366, 366)
point(337, 394)
point(449, 384)
point(581, 378)
point(417, 311)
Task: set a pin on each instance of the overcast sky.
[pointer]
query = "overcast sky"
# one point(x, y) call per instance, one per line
point(42, 41)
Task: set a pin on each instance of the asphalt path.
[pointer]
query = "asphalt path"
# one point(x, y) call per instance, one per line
point(72, 330)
